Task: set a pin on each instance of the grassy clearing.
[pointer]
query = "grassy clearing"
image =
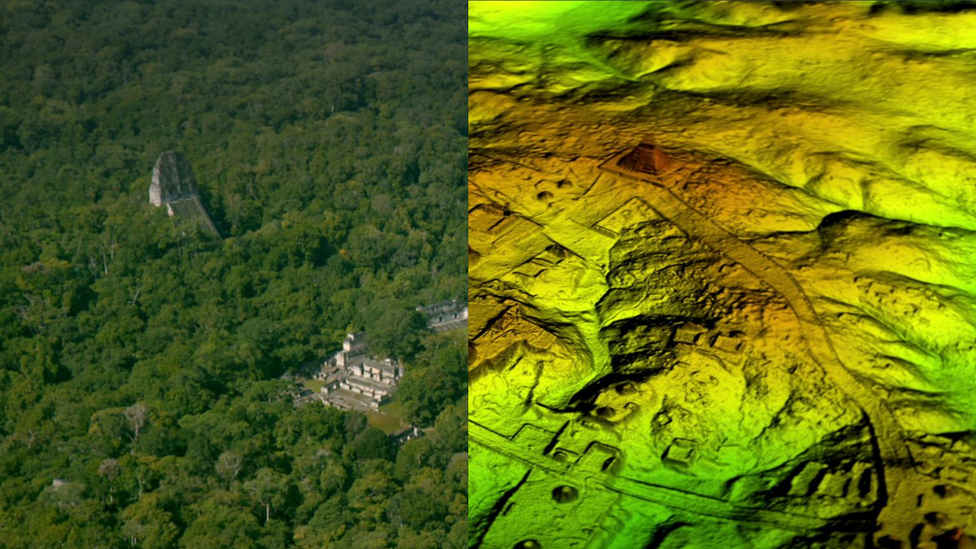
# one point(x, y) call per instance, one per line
point(394, 408)
point(383, 421)
point(388, 418)
point(314, 385)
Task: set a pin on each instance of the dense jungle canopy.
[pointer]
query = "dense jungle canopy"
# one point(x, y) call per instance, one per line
point(141, 394)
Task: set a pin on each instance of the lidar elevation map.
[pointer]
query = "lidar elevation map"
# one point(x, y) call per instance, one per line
point(722, 275)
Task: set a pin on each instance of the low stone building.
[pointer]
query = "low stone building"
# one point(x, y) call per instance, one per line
point(175, 186)
point(406, 434)
point(446, 315)
point(356, 381)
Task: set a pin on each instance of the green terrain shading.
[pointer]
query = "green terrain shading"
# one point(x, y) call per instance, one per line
point(144, 401)
point(722, 263)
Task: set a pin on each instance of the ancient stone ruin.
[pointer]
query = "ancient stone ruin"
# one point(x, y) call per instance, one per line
point(446, 315)
point(356, 381)
point(175, 186)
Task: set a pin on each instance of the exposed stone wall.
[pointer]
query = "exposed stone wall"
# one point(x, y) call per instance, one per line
point(173, 179)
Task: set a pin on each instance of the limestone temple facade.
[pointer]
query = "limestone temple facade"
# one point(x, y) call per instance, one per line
point(356, 381)
point(175, 186)
point(446, 315)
